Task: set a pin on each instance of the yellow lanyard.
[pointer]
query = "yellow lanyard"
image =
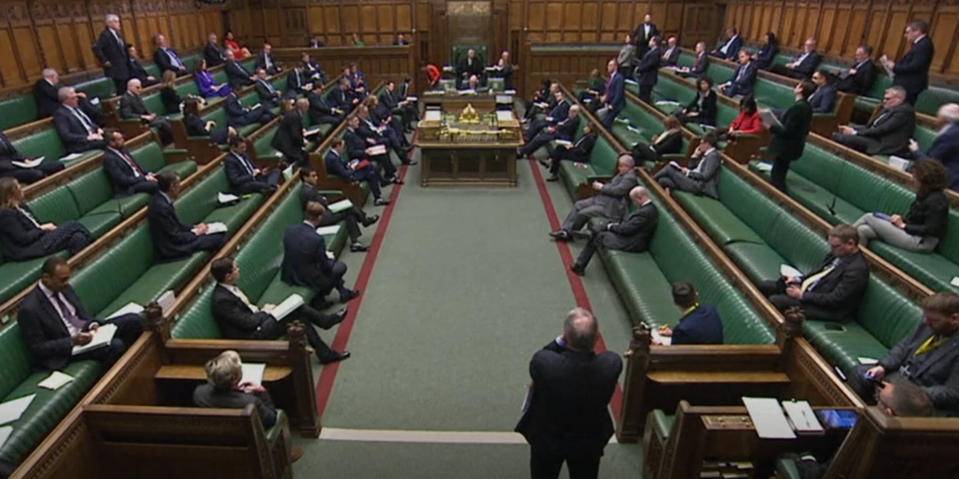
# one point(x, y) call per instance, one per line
point(931, 343)
point(690, 310)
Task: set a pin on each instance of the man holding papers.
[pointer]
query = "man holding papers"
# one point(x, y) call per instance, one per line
point(305, 259)
point(356, 169)
point(25, 170)
point(789, 136)
point(173, 240)
point(53, 321)
point(350, 215)
point(239, 318)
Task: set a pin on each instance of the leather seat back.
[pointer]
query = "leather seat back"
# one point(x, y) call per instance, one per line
point(195, 205)
point(15, 358)
point(17, 111)
point(260, 258)
point(56, 205)
point(44, 143)
point(887, 314)
point(91, 190)
point(149, 156)
point(99, 283)
point(744, 201)
point(101, 87)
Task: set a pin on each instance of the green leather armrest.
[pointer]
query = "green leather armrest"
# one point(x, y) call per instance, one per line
point(178, 151)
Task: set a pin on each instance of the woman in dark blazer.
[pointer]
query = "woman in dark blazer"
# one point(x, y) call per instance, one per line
point(927, 220)
point(196, 126)
point(767, 54)
point(670, 141)
point(23, 237)
point(702, 109)
point(168, 94)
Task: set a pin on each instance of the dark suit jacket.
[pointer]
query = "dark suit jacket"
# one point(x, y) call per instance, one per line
point(733, 51)
point(171, 238)
point(648, 68)
point(673, 56)
point(336, 167)
point(235, 319)
point(236, 173)
point(701, 326)
point(340, 98)
point(19, 237)
point(7, 150)
point(559, 112)
point(355, 144)
point(566, 129)
point(673, 143)
point(789, 139)
point(615, 95)
point(945, 148)
point(823, 100)
point(641, 38)
point(700, 65)
point(837, 295)
point(121, 175)
point(235, 111)
point(912, 70)
point(213, 55)
point(47, 338)
point(892, 127)
point(132, 106)
point(808, 65)
point(237, 75)
point(304, 258)
point(571, 390)
point(937, 372)
point(266, 95)
point(635, 231)
point(164, 62)
point(476, 68)
point(860, 82)
point(743, 85)
point(766, 55)
point(295, 81)
point(46, 96)
point(319, 106)
point(928, 215)
point(261, 63)
point(71, 130)
point(289, 134)
point(707, 111)
point(108, 49)
point(582, 149)
point(205, 395)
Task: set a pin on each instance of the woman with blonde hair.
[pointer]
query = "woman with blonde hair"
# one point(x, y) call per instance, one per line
point(24, 237)
point(171, 99)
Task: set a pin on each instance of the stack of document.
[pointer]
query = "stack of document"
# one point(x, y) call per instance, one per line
point(55, 381)
point(226, 198)
point(252, 373)
point(27, 163)
point(767, 417)
point(339, 206)
point(214, 228)
point(101, 339)
point(290, 304)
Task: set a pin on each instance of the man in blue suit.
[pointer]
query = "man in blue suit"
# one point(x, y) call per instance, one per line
point(804, 64)
point(305, 259)
point(700, 323)
point(173, 240)
point(945, 147)
point(244, 177)
point(564, 130)
point(614, 100)
point(744, 78)
point(729, 48)
point(911, 72)
point(647, 72)
point(353, 171)
point(556, 115)
point(125, 174)
point(823, 100)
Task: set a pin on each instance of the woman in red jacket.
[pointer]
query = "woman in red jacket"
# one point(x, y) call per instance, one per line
point(747, 122)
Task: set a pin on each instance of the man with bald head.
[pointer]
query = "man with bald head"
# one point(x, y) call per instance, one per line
point(633, 233)
point(945, 147)
point(132, 107)
point(609, 201)
point(567, 419)
point(889, 130)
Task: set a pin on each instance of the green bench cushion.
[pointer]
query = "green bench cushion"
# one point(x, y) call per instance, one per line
point(17, 111)
point(719, 222)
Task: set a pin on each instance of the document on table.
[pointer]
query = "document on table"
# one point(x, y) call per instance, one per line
point(899, 162)
point(659, 338)
point(55, 381)
point(214, 228)
point(339, 206)
point(327, 230)
point(290, 304)
point(504, 115)
point(768, 418)
point(802, 416)
point(253, 373)
point(504, 99)
point(433, 115)
point(101, 339)
point(12, 410)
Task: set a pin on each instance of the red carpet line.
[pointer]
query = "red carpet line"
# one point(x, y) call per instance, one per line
point(575, 282)
point(324, 387)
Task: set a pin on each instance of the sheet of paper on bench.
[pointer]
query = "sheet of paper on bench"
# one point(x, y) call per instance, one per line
point(12, 410)
point(802, 416)
point(312, 132)
point(433, 115)
point(866, 360)
point(766, 167)
point(563, 143)
point(27, 163)
point(101, 339)
point(129, 308)
point(224, 198)
point(55, 381)
point(504, 115)
point(214, 228)
point(376, 150)
point(253, 373)
point(71, 156)
point(166, 300)
point(327, 230)
point(768, 418)
point(899, 162)
point(341, 205)
point(786, 270)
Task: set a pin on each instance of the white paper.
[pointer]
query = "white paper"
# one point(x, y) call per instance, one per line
point(288, 173)
point(376, 150)
point(129, 308)
point(527, 399)
point(563, 143)
point(955, 281)
point(311, 132)
point(327, 230)
point(27, 163)
point(786, 270)
point(802, 416)
point(12, 410)
point(5, 433)
point(768, 118)
point(764, 167)
point(254, 107)
point(504, 99)
point(411, 98)
point(899, 162)
point(341, 205)
point(504, 115)
point(866, 360)
point(468, 91)
point(768, 418)
point(290, 304)
point(631, 82)
point(253, 373)
point(101, 338)
point(510, 92)
point(675, 165)
point(659, 338)
point(166, 300)
point(329, 254)
point(667, 102)
point(214, 228)
point(433, 115)
point(55, 381)
point(95, 101)
point(224, 198)
point(71, 156)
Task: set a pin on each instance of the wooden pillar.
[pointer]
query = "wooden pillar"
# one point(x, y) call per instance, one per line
point(634, 385)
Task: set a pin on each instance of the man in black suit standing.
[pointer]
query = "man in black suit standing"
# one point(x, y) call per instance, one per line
point(804, 64)
point(173, 240)
point(633, 233)
point(9, 154)
point(52, 321)
point(566, 418)
point(212, 52)
point(78, 132)
point(239, 318)
point(305, 259)
point(643, 34)
point(167, 59)
point(354, 171)
point(237, 74)
point(888, 133)
point(911, 72)
point(289, 138)
point(126, 176)
point(243, 176)
point(831, 292)
point(133, 107)
point(647, 72)
point(111, 50)
point(789, 137)
point(265, 60)
point(858, 79)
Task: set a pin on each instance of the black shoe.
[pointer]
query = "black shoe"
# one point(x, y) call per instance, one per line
point(577, 269)
point(410, 162)
point(369, 220)
point(336, 357)
point(358, 247)
point(543, 162)
point(349, 295)
point(331, 320)
point(397, 181)
point(385, 182)
point(553, 178)
point(381, 202)
point(560, 235)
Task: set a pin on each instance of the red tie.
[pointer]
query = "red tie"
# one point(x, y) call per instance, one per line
point(133, 164)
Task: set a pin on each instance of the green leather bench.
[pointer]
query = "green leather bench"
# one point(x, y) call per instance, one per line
point(128, 272)
point(47, 143)
point(260, 260)
point(17, 111)
point(19, 379)
point(602, 162)
point(101, 88)
point(759, 236)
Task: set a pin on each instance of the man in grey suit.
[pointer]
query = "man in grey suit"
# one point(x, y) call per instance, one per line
point(702, 178)
point(609, 202)
point(929, 357)
point(632, 234)
point(889, 131)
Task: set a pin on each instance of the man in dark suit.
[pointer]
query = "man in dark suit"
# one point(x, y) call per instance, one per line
point(398, 105)
point(400, 40)
point(700, 64)
point(643, 33)
point(556, 115)
point(467, 67)
point(647, 71)
point(804, 64)
point(111, 51)
point(237, 74)
point(136, 69)
point(700, 323)
point(212, 52)
point(133, 107)
point(351, 217)
point(354, 170)
point(315, 42)
point(167, 59)
point(700, 179)
point(321, 111)
point(578, 152)
point(729, 49)
point(858, 79)
point(831, 292)
point(53, 321)
point(9, 154)
point(671, 52)
point(173, 240)
point(888, 132)
point(126, 176)
point(566, 419)
point(239, 318)
point(945, 147)
point(928, 357)
point(78, 132)
point(911, 72)
point(614, 99)
point(289, 138)
point(243, 176)
point(361, 140)
point(305, 262)
point(823, 100)
point(744, 78)
point(269, 96)
point(633, 233)
point(313, 71)
point(789, 137)
point(45, 92)
point(265, 60)
point(563, 130)
point(609, 201)
point(238, 115)
point(377, 131)
point(298, 82)
point(340, 96)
